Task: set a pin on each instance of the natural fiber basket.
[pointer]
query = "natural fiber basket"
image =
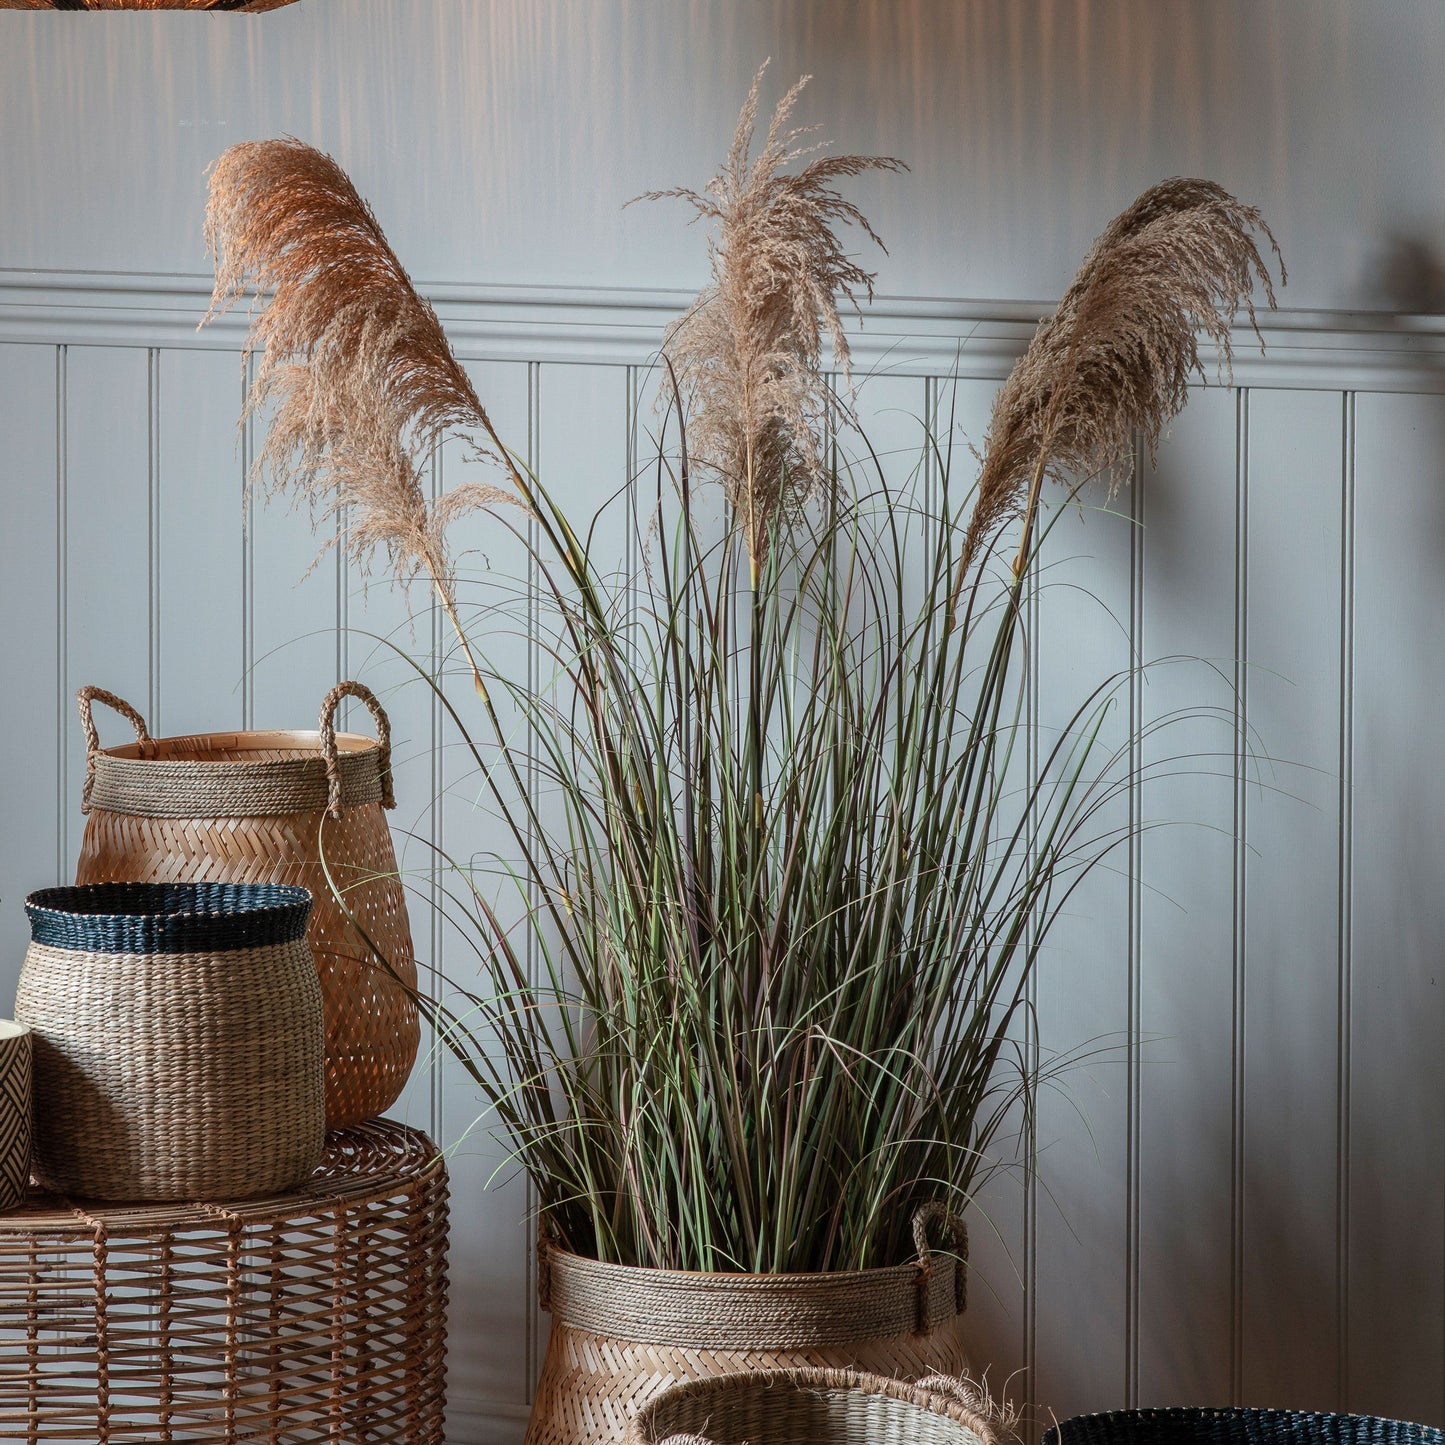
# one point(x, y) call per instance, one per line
point(277, 807)
point(177, 1040)
point(821, 1407)
point(1238, 1427)
point(621, 1335)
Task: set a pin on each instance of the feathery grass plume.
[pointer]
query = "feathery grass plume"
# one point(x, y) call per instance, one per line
point(1118, 354)
point(748, 352)
point(355, 360)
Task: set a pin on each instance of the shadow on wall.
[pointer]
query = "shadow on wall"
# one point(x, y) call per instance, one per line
point(1407, 277)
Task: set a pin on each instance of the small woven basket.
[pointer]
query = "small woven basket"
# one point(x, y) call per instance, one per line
point(302, 808)
point(821, 1407)
point(1238, 1427)
point(177, 1040)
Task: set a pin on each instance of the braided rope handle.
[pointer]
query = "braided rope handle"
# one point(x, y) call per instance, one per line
point(953, 1234)
point(544, 1267)
point(328, 743)
point(84, 698)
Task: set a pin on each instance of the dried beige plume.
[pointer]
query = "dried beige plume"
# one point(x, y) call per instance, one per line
point(354, 360)
point(1118, 355)
point(748, 352)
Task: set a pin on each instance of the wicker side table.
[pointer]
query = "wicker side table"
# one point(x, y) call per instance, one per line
point(318, 1316)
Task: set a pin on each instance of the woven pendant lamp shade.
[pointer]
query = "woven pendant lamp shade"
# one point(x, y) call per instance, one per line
point(249, 6)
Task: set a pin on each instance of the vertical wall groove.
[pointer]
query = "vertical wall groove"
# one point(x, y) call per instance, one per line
point(1346, 886)
point(1137, 493)
point(1032, 1054)
point(62, 622)
point(436, 821)
point(248, 554)
point(532, 1313)
point(153, 507)
point(1241, 756)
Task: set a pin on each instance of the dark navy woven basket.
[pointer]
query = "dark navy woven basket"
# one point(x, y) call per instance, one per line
point(139, 918)
point(1238, 1427)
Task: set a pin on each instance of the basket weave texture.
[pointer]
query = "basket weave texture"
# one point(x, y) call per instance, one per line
point(822, 1407)
point(277, 807)
point(622, 1335)
point(16, 1048)
point(189, 1070)
point(318, 1316)
point(1238, 1426)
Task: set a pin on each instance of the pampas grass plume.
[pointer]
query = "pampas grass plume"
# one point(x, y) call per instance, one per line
point(1118, 355)
point(748, 352)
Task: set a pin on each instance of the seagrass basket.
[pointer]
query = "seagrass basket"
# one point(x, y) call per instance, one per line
point(820, 1407)
point(621, 1335)
point(177, 1040)
point(1238, 1426)
point(277, 807)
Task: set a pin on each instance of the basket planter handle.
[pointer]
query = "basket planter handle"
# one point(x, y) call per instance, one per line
point(328, 743)
point(85, 697)
point(953, 1234)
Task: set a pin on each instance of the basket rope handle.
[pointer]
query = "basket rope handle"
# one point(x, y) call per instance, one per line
point(84, 698)
point(953, 1234)
point(328, 743)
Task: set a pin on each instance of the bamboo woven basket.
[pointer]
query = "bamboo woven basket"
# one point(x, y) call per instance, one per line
point(822, 1407)
point(177, 1040)
point(277, 807)
point(621, 1335)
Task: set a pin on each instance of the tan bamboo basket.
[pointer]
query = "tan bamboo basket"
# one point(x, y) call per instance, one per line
point(622, 1335)
point(177, 1031)
point(277, 807)
point(822, 1407)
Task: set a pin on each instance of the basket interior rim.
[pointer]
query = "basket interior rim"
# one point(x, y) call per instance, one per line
point(248, 900)
point(223, 749)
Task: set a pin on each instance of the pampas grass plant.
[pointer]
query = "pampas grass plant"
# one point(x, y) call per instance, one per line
point(792, 879)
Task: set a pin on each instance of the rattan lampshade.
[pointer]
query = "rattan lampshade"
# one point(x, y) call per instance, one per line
point(251, 6)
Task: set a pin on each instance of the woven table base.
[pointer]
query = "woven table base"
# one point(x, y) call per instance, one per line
point(318, 1316)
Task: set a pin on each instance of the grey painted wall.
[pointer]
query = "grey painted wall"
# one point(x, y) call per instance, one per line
point(1246, 1200)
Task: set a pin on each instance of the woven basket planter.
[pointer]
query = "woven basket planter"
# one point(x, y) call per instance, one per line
point(822, 1407)
point(622, 1335)
point(1238, 1426)
point(268, 807)
point(177, 1040)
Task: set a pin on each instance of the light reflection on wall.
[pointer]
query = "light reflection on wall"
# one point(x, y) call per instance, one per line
point(500, 139)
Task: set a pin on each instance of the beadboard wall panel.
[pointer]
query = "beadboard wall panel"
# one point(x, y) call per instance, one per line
point(1394, 1128)
point(1187, 903)
point(1242, 1188)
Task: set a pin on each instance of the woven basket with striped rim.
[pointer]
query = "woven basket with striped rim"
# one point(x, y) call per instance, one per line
point(277, 807)
point(177, 1033)
point(1238, 1426)
point(822, 1407)
point(621, 1335)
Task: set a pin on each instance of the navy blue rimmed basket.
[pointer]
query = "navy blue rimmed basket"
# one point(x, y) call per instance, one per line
point(167, 917)
point(178, 1040)
point(1241, 1426)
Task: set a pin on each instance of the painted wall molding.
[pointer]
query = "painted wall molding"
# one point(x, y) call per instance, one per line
point(907, 336)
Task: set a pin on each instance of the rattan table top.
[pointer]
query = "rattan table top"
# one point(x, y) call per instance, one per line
point(366, 1161)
